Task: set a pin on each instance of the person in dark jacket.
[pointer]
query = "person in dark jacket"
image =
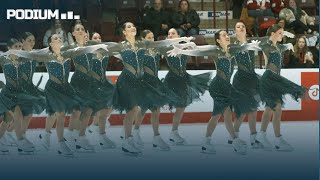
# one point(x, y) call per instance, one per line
point(157, 20)
point(186, 20)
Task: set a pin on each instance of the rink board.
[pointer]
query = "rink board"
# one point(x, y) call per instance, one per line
point(200, 111)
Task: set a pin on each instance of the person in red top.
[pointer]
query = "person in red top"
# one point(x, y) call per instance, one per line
point(258, 8)
point(278, 5)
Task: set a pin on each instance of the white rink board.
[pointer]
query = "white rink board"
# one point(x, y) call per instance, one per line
point(206, 103)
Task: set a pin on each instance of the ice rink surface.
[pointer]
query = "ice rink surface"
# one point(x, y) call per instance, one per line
point(181, 161)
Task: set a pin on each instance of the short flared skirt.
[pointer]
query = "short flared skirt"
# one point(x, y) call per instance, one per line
point(273, 87)
point(188, 87)
point(6, 105)
point(167, 97)
point(82, 85)
point(134, 91)
point(225, 95)
point(102, 92)
point(61, 98)
point(247, 83)
point(33, 90)
point(29, 104)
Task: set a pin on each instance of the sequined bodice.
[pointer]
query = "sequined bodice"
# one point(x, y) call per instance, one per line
point(225, 67)
point(274, 56)
point(99, 67)
point(245, 61)
point(82, 64)
point(12, 73)
point(178, 64)
point(152, 62)
point(133, 60)
point(275, 62)
point(59, 71)
point(28, 68)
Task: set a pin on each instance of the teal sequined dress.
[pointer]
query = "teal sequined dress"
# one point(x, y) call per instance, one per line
point(272, 85)
point(5, 105)
point(14, 90)
point(224, 94)
point(187, 87)
point(151, 67)
point(28, 68)
point(245, 79)
point(101, 87)
point(81, 79)
point(60, 95)
point(131, 89)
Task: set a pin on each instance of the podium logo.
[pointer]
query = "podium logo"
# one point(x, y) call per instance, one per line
point(314, 92)
point(39, 14)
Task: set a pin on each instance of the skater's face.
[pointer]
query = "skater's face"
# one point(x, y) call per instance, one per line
point(172, 33)
point(79, 32)
point(224, 39)
point(16, 46)
point(28, 43)
point(56, 41)
point(149, 37)
point(278, 35)
point(129, 30)
point(96, 37)
point(240, 29)
point(301, 43)
point(86, 37)
point(78, 21)
point(292, 3)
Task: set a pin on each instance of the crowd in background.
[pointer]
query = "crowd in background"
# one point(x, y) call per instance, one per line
point(159, 17)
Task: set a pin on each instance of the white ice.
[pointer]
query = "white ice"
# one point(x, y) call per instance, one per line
point(182, 160)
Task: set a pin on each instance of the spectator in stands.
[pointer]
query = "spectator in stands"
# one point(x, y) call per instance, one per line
point(157, 19)
point(302, 16)
point(311, 57)
point(277, 6)
point(315, 53)
point(185, 20)
point(56, 28)
point(317, 7)
point(309, 60)
point(258, 8)
point(292, 23)
point(282, 22)
point(301, 57)
point(236, 7)
point(285, 39)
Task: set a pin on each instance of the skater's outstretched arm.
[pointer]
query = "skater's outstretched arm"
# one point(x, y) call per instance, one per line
point(254, 46)
point(41, 55)
point(167, 42)
point(207, 50)
point(74, 52)
point(284, 47)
